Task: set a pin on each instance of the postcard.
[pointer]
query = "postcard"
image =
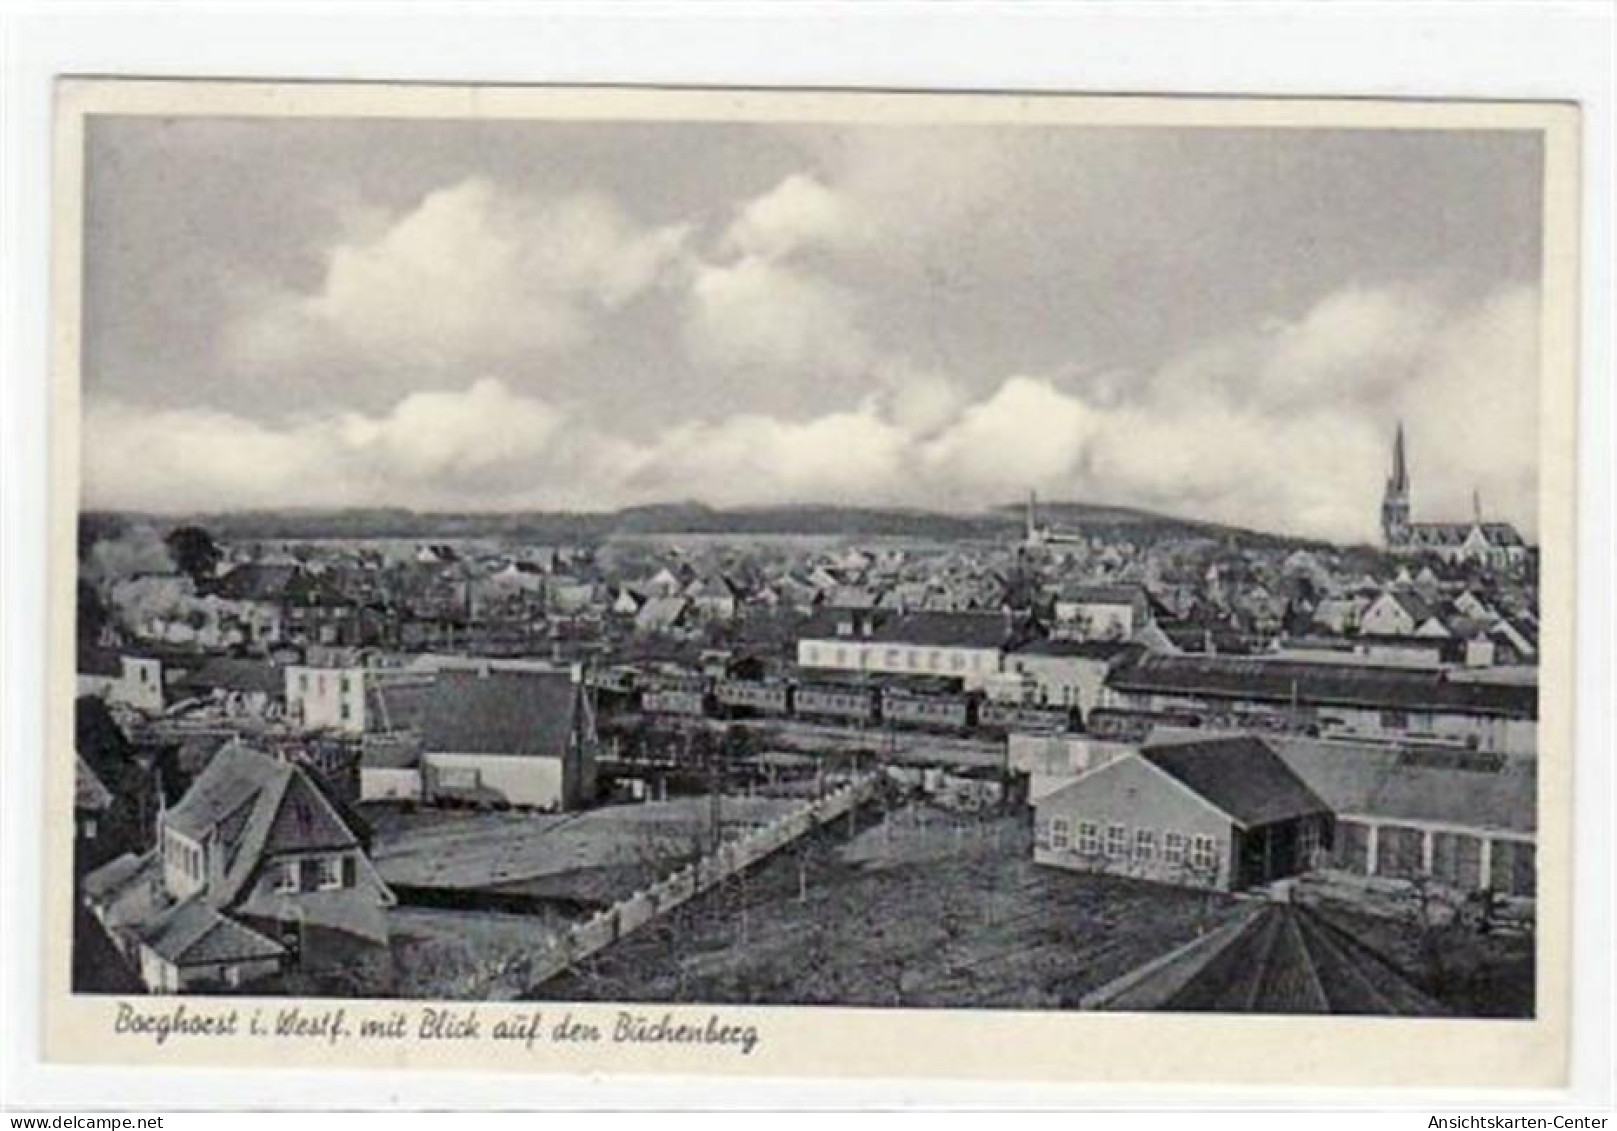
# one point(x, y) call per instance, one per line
point(812, 584)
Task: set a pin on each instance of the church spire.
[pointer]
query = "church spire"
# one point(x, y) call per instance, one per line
point(1395, 500)
point(1400, 468)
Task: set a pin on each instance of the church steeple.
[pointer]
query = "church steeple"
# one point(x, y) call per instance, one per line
point(1395, 500)
point(1035, 533)
point(1399, 482)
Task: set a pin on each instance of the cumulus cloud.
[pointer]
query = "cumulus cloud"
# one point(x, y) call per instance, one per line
point(1289, 426)
point(1284, 427)
point(472, 276)
point(801, 212)
point(759, 313)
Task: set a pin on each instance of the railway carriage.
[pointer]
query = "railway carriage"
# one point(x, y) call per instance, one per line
point(687, 700)
point(837, 703)
point(1134, 726)
point(750, 698)
point(1023, 717)
point(929, 710)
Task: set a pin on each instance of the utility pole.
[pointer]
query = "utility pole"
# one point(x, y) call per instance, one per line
point(715, 835)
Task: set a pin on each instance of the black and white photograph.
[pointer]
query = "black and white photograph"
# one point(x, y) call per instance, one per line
point(948, 558)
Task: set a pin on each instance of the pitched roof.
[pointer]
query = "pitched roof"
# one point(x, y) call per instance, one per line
point(501, 712)
point(194, 934)
point(1449, 787)
point(1292, 959)
point(1078, 649)
point(1241, 776)
point(230, 673)
point(257, 581)
point(1102, 594)
point(116, 874)
point(1412, 603)
point(1502, 534)
point(236, 777)
point(945, 630)
point(88, 791)
point(254, 805)
point(1282, 681)
point(661, 612)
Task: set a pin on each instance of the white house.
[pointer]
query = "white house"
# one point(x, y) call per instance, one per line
point(521, 737)
point(968, 646)
point(1101, 612)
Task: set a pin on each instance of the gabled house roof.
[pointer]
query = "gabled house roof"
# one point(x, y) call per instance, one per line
point(89, 793)
point(1412, 604)
point(662, 613)
point(117, 874)
point(517, 713)
point(1240, 776)
point(257, 581)
point(255, 805)
point(194, 934)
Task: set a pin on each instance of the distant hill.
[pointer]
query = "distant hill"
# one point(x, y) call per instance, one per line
point(1115, 522)
point(1000, 523)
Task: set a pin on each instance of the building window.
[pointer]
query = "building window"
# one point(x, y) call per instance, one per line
point(1394, 720)
point(1307, 843)
point(1088, 838)
point(286, 881)
point(330, 873)
point(1203, 853)
point(303, 683)
point(1117, 841)
point(1145, 844)
point(1173, 847)
point(347, 712)
point(1060, 833)
point(347, 683)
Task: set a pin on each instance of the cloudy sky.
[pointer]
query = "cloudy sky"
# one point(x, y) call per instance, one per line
point(1216, 323)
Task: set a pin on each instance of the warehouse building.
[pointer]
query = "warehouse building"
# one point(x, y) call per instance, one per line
point(1342, 700)
point(1223, 813)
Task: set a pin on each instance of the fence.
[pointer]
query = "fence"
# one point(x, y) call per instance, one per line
point(627, 915)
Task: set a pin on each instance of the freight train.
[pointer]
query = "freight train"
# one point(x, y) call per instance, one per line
point(918, 704)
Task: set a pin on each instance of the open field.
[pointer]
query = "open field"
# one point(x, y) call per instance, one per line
point(591, 857)
point(463, 953)
point(920, 909)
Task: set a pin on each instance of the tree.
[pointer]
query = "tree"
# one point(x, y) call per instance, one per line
point(194, 550)
point(98, 737)
point(92, 615)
